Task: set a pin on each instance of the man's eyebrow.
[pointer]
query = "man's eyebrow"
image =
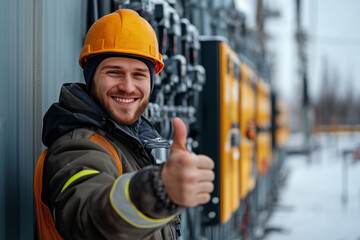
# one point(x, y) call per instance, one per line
point(142, 69)
point(111, 66)
point(145, 69)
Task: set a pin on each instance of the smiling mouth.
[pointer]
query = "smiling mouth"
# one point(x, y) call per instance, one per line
point(124, 100)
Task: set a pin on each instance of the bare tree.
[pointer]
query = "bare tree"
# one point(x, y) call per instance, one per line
point(333, 104)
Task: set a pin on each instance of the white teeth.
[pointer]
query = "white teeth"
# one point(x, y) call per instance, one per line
point(124, 100)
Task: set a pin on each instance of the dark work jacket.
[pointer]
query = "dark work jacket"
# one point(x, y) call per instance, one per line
point(81, 183)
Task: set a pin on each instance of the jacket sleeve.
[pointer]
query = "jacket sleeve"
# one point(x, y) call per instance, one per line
point(89, 200)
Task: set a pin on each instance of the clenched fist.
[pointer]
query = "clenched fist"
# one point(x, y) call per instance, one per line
point(187, 178)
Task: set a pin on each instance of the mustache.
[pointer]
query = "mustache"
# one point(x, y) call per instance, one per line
point(126, 94)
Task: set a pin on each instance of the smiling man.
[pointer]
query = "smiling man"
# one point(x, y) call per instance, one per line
point(122, 87)
point(98, 179)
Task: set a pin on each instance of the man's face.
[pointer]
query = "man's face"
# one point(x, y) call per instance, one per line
point(122, 87)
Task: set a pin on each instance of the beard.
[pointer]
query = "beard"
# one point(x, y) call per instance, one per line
point(124, 117)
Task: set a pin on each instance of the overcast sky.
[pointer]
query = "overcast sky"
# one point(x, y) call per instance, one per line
point(333, 34)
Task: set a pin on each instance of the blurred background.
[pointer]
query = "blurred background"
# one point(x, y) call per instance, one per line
point(293, 121)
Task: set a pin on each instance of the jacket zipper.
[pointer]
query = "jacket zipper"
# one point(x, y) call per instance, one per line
point(173, 233)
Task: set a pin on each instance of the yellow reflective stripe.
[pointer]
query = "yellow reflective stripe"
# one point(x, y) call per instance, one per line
point(77, 176)
point(120, 201)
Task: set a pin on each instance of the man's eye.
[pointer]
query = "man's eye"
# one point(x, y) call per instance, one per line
point(113, 72)
point(139, 75)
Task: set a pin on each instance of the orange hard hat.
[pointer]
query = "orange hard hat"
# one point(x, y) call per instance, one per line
point(123, 31)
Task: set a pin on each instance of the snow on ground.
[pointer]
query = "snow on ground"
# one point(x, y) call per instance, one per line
point(312, 203)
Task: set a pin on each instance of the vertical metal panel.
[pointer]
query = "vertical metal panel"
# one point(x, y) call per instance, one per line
point(37, 80)
point(2, 162)
point(63, 33)
point(24, 89)
point(2, 122)
point(39, 44)
point(211, 110)
point(16, 134)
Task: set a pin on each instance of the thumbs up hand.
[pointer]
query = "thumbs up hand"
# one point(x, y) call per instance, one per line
point(187, 178)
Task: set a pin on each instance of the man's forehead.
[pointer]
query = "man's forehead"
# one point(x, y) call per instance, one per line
point(123, 61)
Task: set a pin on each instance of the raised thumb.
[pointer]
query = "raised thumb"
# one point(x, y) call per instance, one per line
point(180, 134)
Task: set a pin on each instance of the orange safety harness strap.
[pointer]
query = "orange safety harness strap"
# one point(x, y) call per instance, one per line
point(97, 138)
point(45, 224)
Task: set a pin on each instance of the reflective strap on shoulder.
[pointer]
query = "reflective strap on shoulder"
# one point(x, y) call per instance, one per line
point(100, 140)
point(120, 201)
point(77, 176)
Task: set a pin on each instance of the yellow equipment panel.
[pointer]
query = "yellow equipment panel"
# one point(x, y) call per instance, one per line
point(220, 123)
point(247, 164)
point(282, 127)
point(263, 123)
point(229, 96)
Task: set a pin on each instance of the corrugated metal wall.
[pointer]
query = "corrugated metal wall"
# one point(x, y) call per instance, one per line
point(39, 44)
point(2, 113)
point(62, 38)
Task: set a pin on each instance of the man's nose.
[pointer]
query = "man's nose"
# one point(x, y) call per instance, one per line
point(126, 84)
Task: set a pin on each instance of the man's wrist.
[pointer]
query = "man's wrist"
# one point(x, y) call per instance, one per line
point(159, 190)
point(148, 194)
